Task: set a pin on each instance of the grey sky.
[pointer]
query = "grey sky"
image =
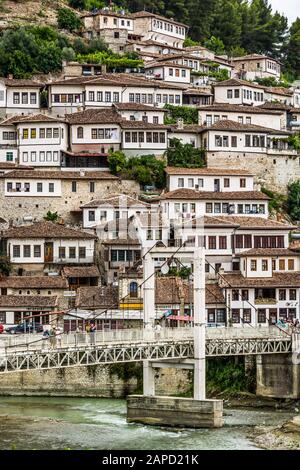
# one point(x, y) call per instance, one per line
point(290, 8)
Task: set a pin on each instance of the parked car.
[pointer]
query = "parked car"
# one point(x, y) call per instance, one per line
point(1, 328)
point(25, 328)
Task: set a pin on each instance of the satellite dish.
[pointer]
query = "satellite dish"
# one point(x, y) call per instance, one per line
point(164, 269)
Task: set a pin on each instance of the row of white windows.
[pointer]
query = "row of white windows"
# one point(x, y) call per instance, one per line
point(168, 27)
point(247, 94)
point(210, 119)
point(36, 251)
point(218, 208)
point(151, 137)
point(24, 98)
point(250, 141)
point(17, 187)
point(43, 156)
point(144, 98)
point(98, 133)
point(47, 133)
point(199, 182)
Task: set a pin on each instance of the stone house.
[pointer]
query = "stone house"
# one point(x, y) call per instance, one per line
point(254, 66)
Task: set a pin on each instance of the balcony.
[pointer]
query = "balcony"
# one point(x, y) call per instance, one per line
point(265, 301)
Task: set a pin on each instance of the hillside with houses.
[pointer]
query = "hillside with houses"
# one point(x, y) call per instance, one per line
point(121, 133)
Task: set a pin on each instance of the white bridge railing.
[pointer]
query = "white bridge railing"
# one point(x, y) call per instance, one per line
point(71, 340)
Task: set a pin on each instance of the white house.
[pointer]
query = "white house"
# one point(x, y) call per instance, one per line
point(168, 72)
point(141, 138)
point(30, 247)
point(41, 139)
point(271, 118)
point(209, 179)
point(191, 203)
point(19, 96)
point(234, 91)
point(141, 112)
point(159, 28)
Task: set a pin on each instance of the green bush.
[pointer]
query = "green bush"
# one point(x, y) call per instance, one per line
point(67, 19)
point(184, 155)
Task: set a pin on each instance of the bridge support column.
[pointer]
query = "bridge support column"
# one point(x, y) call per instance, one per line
point(278, 376)
point(173, 411)
point(148, 379)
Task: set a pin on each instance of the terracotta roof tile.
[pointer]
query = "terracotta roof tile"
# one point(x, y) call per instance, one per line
point(236, 82)
point(34, 282)
point(45, 229)
point(118, 200)
point(81, 271)
point(214, 195)
point(14, 82)
point(97, 297)
point(251, 223)
point(268, 252)
point(95, 116)
point(27, 301)
point(228, 125)
point(170, 289)
point(174, 170)
point(138, 107)
point(143, 14)
point(277, 280)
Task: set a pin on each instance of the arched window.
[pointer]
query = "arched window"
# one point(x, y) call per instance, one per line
point(133, 289)
point(79, 132)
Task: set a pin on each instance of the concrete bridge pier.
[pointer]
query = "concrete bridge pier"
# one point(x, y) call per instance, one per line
point(197, 412)
point(278, 376)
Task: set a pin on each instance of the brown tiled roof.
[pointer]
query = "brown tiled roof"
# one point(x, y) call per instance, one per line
point(118, 200)
point(268, 252)
point(238, 108)
point(295, 245)
point(210, 221)
point(95, 116)
point(255, 222)
point(228, 125)
point(138, 107)
point(45, 229)
point(108, 13)
point(197, 91)
point(22, 83)
point(237, 82)
point(27, 301)
point(60, 175)
point(11, 166)
point(145, 14)
point(195, 128)
point(81, 271)
point(167, 63)
point(278, 106)
point(170, 289)
point(291, 279)
point(253, 57)
point(97, 297)
point(122, 241)
point(174, 170)
point(278, 91)
point(34, 282)
point(212, 195)
point(36, 118)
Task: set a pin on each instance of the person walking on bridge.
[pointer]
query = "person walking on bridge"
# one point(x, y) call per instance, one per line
point(93, 330)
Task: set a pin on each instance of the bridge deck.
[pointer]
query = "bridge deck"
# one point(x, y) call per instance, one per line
point(80, 349)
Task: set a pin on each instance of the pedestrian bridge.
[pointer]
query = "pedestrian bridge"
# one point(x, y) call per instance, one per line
point(31, 352)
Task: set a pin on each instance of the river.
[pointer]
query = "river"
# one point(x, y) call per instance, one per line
point(92, 423)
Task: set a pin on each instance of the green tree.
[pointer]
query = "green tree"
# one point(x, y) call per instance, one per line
point(116, 161)
point(67, 19)
point(51, 216)
point(293, 200)
point(227, 23)
point(77, 4)
point(292, 52)
point(215, 44)
point(184, 155)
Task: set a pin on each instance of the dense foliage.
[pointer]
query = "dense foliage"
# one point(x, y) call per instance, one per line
point(293, 200)
point(184, 155)
point(238, 26)
point(67, 19)
point(227, 375)
point(188, 114)
point(146, 169)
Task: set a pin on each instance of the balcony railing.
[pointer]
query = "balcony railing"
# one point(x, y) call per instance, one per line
point(265, 301)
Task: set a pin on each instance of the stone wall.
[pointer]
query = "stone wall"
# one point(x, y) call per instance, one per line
point(92, 381)
point(271, 171)
point(19, 206)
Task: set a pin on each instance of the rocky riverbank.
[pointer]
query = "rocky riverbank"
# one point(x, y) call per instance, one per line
point(284, 437)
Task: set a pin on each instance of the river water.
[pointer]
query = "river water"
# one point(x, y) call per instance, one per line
point(92, 423)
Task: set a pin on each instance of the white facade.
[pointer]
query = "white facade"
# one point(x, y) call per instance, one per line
point(207, 182)
point(239, 94)
point(272, 121)
point(30, 187)
point(64, 251)
point(18, 98)
point(169, 73)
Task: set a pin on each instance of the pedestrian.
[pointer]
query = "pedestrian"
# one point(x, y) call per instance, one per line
point(59, 336)
point(157, 330)
point(53, 337)
point(93, 330)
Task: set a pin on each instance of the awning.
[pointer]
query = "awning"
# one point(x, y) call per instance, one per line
point(180, 318)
